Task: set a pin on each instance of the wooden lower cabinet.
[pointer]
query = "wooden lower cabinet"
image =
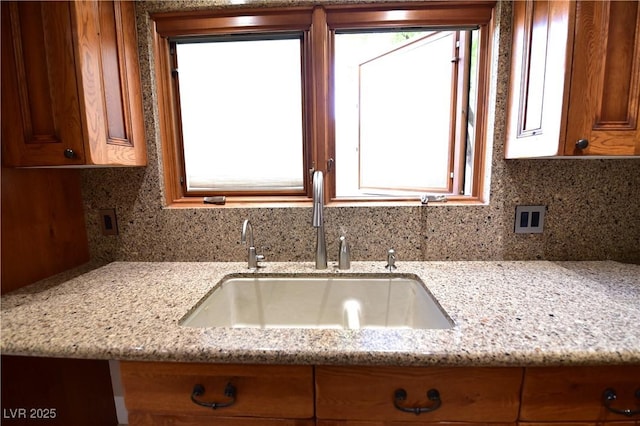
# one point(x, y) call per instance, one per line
point(56, 392)
point(401, 423)
point(464, 394)
point(628, 423)
point(148, 419)
point(162, 393)
point(576, 394)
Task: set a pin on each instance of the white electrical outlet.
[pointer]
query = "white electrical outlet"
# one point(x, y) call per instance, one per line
point(529, 219)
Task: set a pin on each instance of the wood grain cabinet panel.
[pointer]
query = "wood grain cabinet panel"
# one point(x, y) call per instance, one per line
point(56, 392)
point(605, 80)
point(160, 394)
point(147, 419)
point(594, 423)
point(40, 106)
point(567, 394)
point(71, 85)
point(43, 226)
point(157, 392)
point(466, 394)
point(400, 423)
point(575, 79)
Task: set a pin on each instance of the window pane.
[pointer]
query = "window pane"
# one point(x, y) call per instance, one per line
point(393, 112)
point(472, 114)
point(241, 108)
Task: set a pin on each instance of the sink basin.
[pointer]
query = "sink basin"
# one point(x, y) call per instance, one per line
point(324, 302)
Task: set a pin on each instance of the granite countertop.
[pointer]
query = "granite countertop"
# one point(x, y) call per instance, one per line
point(506, 314)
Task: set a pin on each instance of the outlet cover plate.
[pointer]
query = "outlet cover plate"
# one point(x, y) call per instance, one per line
point(108, 222)
point(530, 219)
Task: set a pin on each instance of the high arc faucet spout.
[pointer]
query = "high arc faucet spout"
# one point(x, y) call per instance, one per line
point(252, 255)
point(317, 221)
point(247, 230)
point(318, 199)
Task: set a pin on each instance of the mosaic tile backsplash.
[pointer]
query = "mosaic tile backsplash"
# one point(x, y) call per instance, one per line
point(593, 205)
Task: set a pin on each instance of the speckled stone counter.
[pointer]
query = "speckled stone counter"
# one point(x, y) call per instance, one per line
point(505, 313)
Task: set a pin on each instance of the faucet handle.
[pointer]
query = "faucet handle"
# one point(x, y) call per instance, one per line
point(260, 257)
point(247, 238)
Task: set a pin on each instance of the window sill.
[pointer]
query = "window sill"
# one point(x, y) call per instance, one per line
point(279, 202)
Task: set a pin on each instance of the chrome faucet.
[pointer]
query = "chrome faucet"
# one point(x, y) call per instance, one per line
point(391, 260)
point(318, 219)
point(253, 257)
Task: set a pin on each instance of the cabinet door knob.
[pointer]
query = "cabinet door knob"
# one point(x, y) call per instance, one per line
point(69, 153)
point(582, 143)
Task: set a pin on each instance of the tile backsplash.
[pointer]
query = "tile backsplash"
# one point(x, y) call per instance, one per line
point(593, 205)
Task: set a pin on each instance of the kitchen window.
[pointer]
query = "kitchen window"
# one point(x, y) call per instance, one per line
point(241, 109)
point(387, 101)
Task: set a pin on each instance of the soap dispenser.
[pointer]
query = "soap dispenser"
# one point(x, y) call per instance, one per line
point(344, 255)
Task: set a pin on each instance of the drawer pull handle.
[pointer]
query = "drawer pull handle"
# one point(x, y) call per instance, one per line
point(229, 392)
point(432, 394)
point(609, 395)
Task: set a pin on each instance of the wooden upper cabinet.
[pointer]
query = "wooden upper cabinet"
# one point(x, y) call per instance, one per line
point(71, 92)
point(540, 66)
point(575, 79)
point(605, 80)
point(40, 109)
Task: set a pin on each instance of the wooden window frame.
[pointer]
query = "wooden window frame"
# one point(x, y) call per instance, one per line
point(318, 23)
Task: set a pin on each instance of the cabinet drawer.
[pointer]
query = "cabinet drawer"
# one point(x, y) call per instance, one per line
point(466, 394)
point(261, 390)
point(576, 393)
point(594, 423)
point(401, 423)
point(140, 419)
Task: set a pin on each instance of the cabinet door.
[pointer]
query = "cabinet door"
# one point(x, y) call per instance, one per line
point(40, 110)
point(568, 394)
point(110, 93)
point(56, 391)
point(371, 394)
point(540, 68)
point(605, 81)
point(158, 390)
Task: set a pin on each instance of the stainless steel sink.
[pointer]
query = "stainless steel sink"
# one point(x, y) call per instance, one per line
point(323, 302)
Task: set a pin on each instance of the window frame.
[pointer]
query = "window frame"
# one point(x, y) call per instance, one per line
point(455, 168)
point(318, 23)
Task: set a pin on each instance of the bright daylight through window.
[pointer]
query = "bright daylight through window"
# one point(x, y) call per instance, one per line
point(387, 111)
point(396, 116)
point(241, 109)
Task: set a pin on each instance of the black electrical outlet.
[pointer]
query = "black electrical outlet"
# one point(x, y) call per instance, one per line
point(108, 222)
